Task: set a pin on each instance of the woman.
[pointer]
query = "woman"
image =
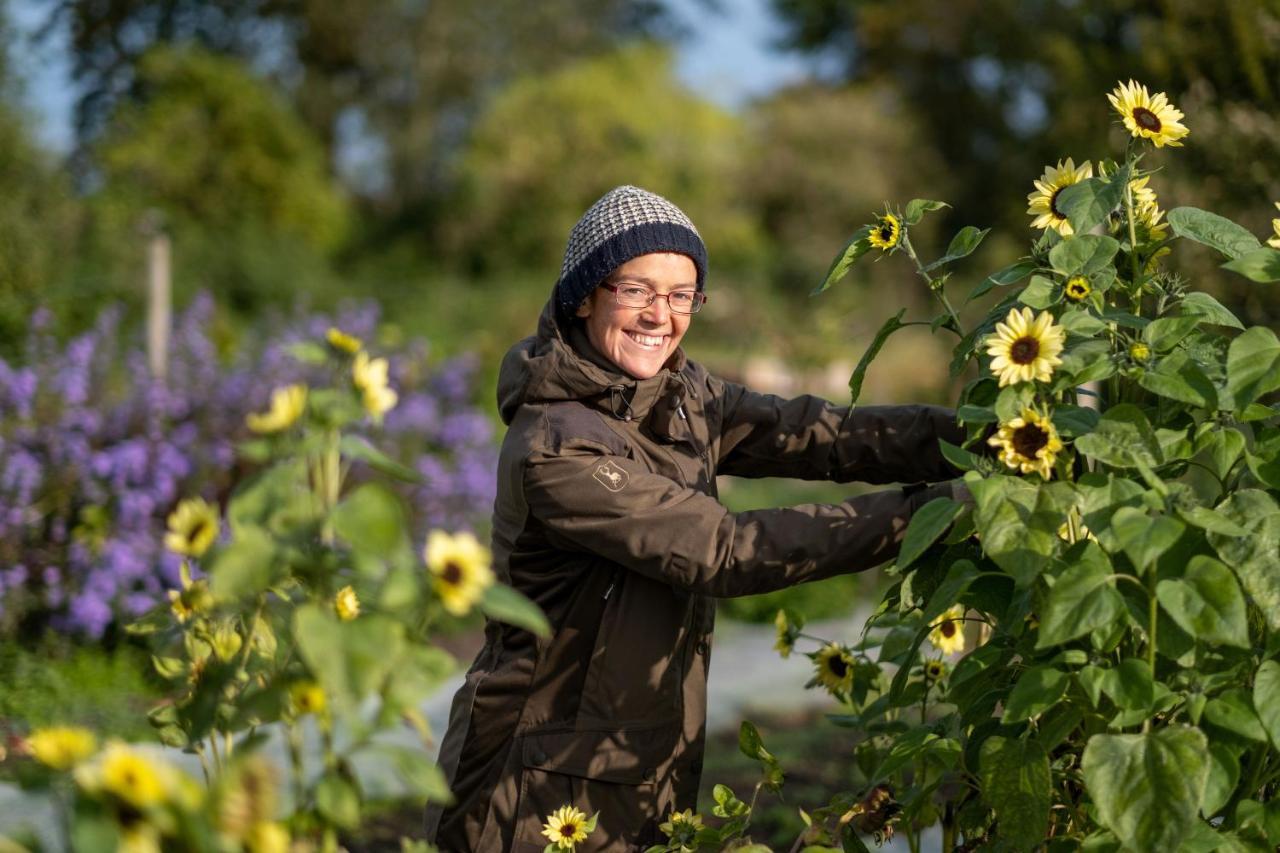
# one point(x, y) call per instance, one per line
point(607, 517)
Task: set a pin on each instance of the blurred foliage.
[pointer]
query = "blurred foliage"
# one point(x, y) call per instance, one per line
point(522, 185)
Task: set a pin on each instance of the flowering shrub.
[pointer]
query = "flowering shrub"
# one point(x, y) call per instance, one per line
point(1087, 658)
point(303, 609)
point(93, 457)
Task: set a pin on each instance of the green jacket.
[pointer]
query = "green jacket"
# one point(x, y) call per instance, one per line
point(607, 517)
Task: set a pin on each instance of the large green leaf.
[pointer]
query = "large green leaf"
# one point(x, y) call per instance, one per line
point(1167, 332)
point(245, 567)
point(1266, 699)
point(918, 207)
point(1039, 293)
point(1083, 598)
point(371, 520)
point(857, 246)
point(1260, 265)
point(890, 326)
point(274, 499)
point(350, 659)
point(1083, 254)
point(1224, 775)
point(1233, 711)
point(1212, 230)
point(965, 241)
point(1256, 557)
point(1018, 520)
point(1130, 685)
point(356, 447)
point(1206, 602)
point(1088, 203)
point(1205, 306)
point(1123, 438)
point(927, 524)
point(1100, 496)
point(1147, 788)
point(1253, 366)
point(338, 800)
point(1179, 377)
point(1017, 785)
point(1038, 689)
point(509, 605)
point(1143, 537)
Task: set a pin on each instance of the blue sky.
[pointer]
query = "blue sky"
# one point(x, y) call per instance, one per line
point(728, 58)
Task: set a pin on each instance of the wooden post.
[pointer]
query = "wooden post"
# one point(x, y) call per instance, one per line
point(159, 295)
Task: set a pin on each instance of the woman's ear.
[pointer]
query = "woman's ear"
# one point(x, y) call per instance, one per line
point(584, 310)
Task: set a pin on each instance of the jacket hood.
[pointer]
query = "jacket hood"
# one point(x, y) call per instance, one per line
point(547, 367)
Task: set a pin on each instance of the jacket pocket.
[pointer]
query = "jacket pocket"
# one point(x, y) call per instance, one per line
point(614, 773)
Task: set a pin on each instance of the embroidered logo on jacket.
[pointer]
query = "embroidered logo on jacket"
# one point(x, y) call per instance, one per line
point(611, 477)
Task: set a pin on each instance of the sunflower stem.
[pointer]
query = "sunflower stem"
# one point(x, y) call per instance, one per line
point(1132, 161)
point(935, 287)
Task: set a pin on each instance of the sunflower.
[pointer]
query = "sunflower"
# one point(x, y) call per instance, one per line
point(788, 626)
point(1043, 202)
point(566, 827)
point(1025, 347)
point(267, 836)
point(1142, 193)
point(1078, 288)
point(192, 528)
point(1274, 242)
point(1029, 443)
point(460, 567)
point(343, 342)
point(61, 747)
point(1147, 116)
point(834, 668)
point(370, 377)
point(346, 604)
point(307, 697)
point(886, 233)
point(287, 405)
point(934, 670)
point(128, 775)
point(947, 634)
point(1139, 352)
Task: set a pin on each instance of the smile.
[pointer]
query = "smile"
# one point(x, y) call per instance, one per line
point(647, 341)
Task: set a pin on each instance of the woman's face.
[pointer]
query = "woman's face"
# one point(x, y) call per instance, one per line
point(640, 340)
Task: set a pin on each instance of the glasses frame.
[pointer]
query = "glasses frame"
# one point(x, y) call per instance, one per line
point(655, 295)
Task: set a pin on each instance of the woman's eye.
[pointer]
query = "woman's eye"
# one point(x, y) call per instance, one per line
point(634, 292)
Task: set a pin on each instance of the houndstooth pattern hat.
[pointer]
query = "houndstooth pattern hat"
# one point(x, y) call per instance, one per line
point(625, 223)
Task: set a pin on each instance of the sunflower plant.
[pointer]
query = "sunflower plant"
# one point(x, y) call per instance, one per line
point(305, 616)
point(1089, 655)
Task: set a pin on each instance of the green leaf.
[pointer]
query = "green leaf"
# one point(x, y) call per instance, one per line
point(1256, 557)
point(1165, 333)
point(918, 207)
point(371, 520)
point(350, 659)
point(1147, 788)
point(751, 744)
point(965, 241)
point(1180, 378)
point(959, 576)
point(1123, 438)
point(1087, 362)
point(1083, 598)
point(1101, 495)
point(1212, 230)
point(854, 249)
point(1039, 293)
point(1233, 711)
point(1079, 321)
point(356, 447)
point(1038, 689)
point(338, 801)
point(1130, 685)
point(1143, 537)
point(890, 326)
point(505, 604)
point(1088, 203)
point(960, 458)
point(1019, 522)
point(1016, 784)
point(1211, 310)
point(1209, 519)
point(1220, 449)
point(1083, 254)
point(1073, 421)
point(1253, 366)
point(245, 567)
point(927, 524)
point(1260, 265)
point(274, 499)
point(421, 775)
point(308, 352)
point(1224, 775)
point(1266, 699)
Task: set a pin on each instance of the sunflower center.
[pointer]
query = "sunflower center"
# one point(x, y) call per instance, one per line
point(198, 529)
point(837, 666)
point(452, 573)
point(1024, 350)
point(568, 830)
point(1146, 119)
point(886, 232)
point(1053, 203)
point(1029, 439)
point(948, 629)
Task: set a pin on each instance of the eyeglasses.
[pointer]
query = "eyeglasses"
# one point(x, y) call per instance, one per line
point(631, 295)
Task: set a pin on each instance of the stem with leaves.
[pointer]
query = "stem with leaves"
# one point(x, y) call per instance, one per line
point(935, 285)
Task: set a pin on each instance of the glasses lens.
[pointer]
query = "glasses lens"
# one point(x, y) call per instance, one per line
point(685, 301)
point(634, 295)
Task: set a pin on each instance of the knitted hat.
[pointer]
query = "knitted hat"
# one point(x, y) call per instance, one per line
point(625, 223)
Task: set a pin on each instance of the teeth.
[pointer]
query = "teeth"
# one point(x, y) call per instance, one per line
point(646, 340)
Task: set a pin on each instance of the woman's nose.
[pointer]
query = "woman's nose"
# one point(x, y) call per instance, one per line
point(657, 311)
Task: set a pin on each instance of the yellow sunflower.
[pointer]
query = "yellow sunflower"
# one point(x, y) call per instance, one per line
point(1274, 242)
point(343, 342)
point(566, 827)
point(1025, 347)
point(192, 599)
point(834, 668)
point(61, 747)
point(1078, 288)
point(1140, 352)
point(346, 604)
point(886, 232)
point(1148, 116)
point(370, 377)
point(459, 565)
point(947, 634)
point(193, 527)
point(1029, 443)
point(934, 670)
point(307, 697)
point(1043, 202)
point(128, 775)
point(287, 405)
point(788, 626)
point(1142, 193)
point(267, 836)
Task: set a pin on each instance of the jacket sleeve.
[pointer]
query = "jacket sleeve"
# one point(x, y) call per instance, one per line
point(809, 438)
point(588, 500)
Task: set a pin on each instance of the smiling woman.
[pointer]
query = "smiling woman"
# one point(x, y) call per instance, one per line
point(607, 516)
